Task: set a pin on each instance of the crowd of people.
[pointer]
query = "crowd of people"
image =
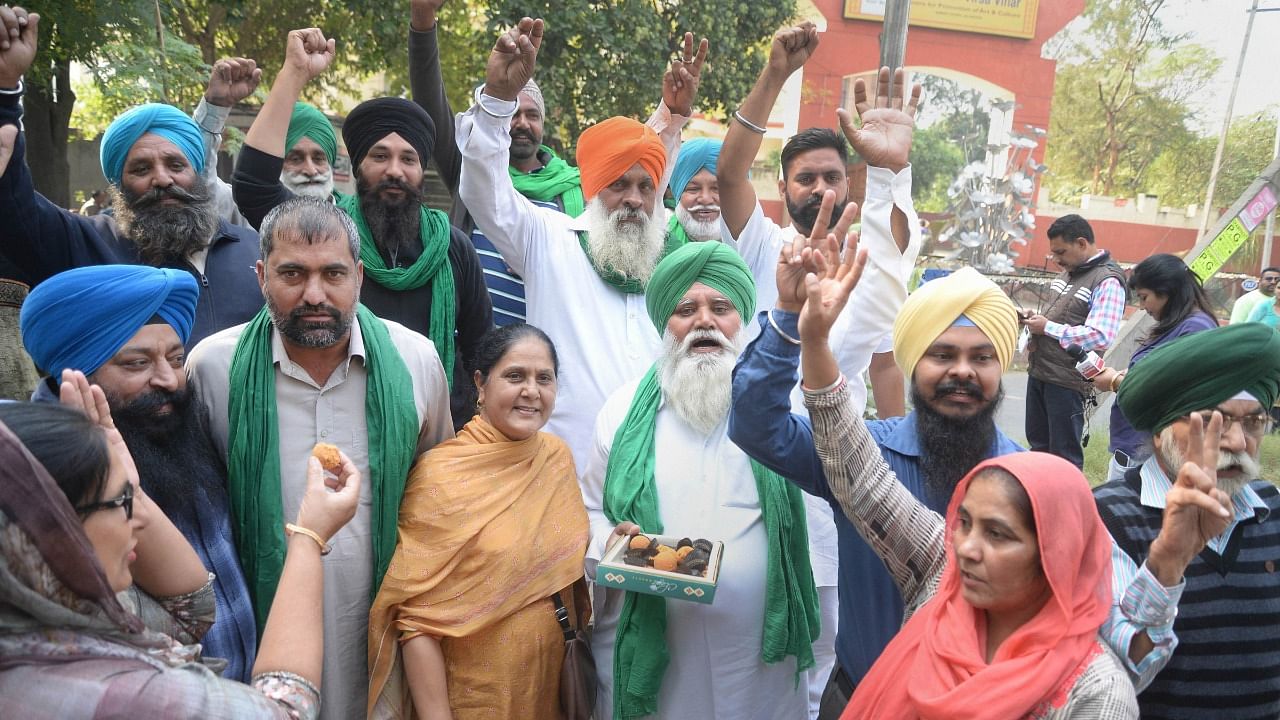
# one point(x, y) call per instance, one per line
point(556, 364)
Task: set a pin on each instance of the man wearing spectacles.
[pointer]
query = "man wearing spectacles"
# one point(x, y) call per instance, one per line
point(1204, 551)
point(1264, 293)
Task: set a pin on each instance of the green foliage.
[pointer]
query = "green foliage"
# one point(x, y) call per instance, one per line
point(1181, 173)
point(606, 57)
point(957, 113)
point(1121, 98)
point(936, 160)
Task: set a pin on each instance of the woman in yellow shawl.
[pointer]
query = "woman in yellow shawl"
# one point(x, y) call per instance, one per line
point(491, 526)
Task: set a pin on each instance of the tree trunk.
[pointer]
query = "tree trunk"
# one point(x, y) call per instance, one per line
point(46, 123)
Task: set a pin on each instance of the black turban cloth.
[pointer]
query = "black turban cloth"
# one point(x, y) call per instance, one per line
point(1199, 371)
point(375, 119)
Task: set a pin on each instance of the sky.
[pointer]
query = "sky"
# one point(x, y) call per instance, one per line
point(1220, 24)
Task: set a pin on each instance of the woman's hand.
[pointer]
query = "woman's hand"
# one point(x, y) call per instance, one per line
point(325, 512)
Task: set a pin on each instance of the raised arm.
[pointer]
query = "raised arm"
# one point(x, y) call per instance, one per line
point(256, 183)
point(230, 81)
point(791, 48)
point(426, 82)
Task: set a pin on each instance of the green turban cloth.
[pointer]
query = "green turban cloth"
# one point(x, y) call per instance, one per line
point(710, 263)
point(309, 122)
point(1199, 371)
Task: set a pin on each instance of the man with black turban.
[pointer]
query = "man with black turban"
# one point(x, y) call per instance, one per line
point(124, 327)
point(164, 211)
point(425, 273)
point(1195, 559)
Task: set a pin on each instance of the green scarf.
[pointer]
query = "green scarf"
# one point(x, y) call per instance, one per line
point(557, 179)
point(253, 452)
point(675, 230)
point(628, 285)
point(432, 266)
point(791, 616)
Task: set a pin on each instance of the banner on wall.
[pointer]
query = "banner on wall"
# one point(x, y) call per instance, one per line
point(1010, 18)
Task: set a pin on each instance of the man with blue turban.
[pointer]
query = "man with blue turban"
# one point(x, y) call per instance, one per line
point(693, 185)
point(163, 210)
point(423, 273)
point(662, 463)
point(124, 326)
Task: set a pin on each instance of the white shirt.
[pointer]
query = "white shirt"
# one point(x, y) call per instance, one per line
point(862, 329)
point(602, 335)
point(705, 490)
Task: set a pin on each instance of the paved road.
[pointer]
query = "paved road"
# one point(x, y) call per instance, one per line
point(1010, 416)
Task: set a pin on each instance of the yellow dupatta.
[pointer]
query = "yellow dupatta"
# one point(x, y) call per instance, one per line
point(487, 526)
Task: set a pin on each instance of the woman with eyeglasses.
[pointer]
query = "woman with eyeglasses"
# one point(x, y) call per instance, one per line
point(1171, 294)
point(103, 602)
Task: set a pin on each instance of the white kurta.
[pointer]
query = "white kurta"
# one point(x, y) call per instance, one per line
point(603, 336)
point(705, 489)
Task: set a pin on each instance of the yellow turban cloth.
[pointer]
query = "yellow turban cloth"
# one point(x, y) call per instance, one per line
point(929, 311)
point(608, 149)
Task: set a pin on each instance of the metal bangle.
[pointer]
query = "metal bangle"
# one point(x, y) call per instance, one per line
point(778, 330)
point(501, 116)
point(737, 115)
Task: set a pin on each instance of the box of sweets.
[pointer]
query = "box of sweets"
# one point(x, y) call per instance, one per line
point(664, 565)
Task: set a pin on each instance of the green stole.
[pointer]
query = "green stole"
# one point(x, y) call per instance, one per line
point(675, 230)
point(791, 616)
point(432, 266)
point(253, 452)
point(631, 286)
point(557, 179)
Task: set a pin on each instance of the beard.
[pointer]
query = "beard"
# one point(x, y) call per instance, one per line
point(176, 460)
point(317, 186)
point(951, 446)
point(699, 386)
point(393, 223)
point(699, 230)
point(804, 215)
point(527, 147)
point(1172, 459)
point(628, 242)
point(163, 233)
point(309, 333)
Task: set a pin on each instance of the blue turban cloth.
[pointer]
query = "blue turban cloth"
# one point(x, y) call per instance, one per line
point(697, 154)
point(80, 318)
point(166, 121)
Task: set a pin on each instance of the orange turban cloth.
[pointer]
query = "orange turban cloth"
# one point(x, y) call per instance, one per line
point(608, 149)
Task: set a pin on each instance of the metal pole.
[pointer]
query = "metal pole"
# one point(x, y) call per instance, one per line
point(1226, 125)
point(1271, 216)
point(893, 36)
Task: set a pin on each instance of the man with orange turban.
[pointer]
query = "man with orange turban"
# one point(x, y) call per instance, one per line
point(584, 277)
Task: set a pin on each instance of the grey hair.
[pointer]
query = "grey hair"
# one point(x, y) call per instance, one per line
point(311, 218)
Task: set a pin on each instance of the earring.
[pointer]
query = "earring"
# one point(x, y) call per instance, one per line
point(479, 405)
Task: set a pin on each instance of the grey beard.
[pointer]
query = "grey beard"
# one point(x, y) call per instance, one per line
point(319, 186)
point(698, 230)
point(1172, 459)
point(699, 387)
point(311, 334)
point(629, 249)
point(165, 234)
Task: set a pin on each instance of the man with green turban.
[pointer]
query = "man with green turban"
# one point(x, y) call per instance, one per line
point(662, 464)
point(1197, 532)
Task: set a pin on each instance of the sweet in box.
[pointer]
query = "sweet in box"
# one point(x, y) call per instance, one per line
point(613, 571)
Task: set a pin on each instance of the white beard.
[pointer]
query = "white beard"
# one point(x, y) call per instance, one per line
point(626, 248)
point(316, 186)
point(1173, 459)
point(699, 386)
point(699, 230)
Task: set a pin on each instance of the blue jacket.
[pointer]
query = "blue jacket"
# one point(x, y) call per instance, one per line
point(42, 239)
point(762, 424)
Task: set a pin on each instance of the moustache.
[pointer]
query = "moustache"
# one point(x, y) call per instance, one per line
point(701, 208)
point(1244, 461)
point(155, 196)
point(297, 313)
point(963, 387)
point(522, 134)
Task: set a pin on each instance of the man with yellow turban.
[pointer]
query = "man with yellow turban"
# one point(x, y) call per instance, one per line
point(584, 277)
point(1194, 562)
point(662, 463)
point(164, 210)
point(954, 338)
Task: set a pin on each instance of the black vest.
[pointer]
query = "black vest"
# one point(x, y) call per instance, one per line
point(1072, 297)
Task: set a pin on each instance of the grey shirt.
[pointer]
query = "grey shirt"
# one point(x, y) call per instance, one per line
point(333, 413)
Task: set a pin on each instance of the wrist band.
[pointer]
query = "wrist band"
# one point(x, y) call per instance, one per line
point(737, 115)
point(778, 330)
point(1115, 382)
point(291, 529)
point(501, 116)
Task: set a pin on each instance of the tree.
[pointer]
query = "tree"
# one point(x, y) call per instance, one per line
point(606, 57)
point(936, 160)
point(1121, 96)
point(1180, 174)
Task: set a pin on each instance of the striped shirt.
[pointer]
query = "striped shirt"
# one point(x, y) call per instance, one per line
point(506, 288)
point(1106, 312)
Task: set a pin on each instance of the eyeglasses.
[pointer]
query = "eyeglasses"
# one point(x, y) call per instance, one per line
point(1255, 424)
point(125, 501)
